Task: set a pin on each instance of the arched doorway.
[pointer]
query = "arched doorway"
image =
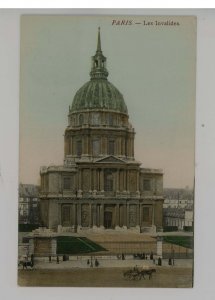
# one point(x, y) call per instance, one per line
point(108, 219)
point(109, 216)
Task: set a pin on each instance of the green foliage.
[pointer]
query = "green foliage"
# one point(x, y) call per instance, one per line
point(76, 245)
point(184, 241)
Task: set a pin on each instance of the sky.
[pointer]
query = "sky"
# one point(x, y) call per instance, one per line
point(153, 66)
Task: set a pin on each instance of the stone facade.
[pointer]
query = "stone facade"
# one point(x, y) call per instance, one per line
point(100, 185)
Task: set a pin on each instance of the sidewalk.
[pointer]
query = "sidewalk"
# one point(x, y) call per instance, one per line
point(81, 262)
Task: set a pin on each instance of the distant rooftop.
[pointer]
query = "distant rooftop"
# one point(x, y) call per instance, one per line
point(28, 190)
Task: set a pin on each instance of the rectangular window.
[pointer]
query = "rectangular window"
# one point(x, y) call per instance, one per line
point(67, 183)
point(108, 182)
point(146, 214)
point(147, 184)
point(65, 215)
point(79, 148)
point(111, 146)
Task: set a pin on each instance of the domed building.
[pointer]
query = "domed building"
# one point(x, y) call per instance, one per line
point(100, 186)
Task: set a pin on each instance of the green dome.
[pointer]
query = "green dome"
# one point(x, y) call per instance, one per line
point(99, 94)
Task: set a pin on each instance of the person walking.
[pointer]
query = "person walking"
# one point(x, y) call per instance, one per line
point(159, 262)
point(96, 262)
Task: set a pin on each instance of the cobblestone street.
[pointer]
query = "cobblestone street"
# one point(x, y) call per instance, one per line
point(104, 277)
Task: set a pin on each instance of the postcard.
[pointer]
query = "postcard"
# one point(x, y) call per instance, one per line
point(107, 143)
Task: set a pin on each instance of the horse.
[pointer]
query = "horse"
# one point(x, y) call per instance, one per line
point(147, 272)
point(26, 264)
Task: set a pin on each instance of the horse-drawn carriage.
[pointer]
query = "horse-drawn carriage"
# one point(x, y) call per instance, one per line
point(25, 263)
point(136, 274)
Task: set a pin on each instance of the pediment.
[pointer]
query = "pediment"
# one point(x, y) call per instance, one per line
point(110, 159)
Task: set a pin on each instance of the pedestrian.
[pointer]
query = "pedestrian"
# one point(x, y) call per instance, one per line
point(96, 263)
point(170, 262)
point(88, 262)
point(32, 260)
point(91, 262)
point(151, 255)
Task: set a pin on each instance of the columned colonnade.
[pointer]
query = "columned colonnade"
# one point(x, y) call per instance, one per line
point(94, 214)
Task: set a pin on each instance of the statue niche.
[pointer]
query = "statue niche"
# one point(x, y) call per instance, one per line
point(85, 215)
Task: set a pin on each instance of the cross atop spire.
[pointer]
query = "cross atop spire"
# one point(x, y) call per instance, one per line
point(99, 49)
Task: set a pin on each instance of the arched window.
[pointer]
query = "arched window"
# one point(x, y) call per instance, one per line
point(123, 121)
point(110, 119)
point(96, 147)
point(72, 121)
point(95, 119)
point(79, 148)
point(111, 147)
point(81, 119)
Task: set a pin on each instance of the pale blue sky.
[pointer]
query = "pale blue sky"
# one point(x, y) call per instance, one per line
point(153, 67)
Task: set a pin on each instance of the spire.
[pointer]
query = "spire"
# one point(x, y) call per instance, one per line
point(98, 69)
point(99, 49)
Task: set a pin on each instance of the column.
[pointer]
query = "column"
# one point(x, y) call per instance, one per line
point(98, 179)
point(97, 211)
point(59, 213)
point(124, 215)
point(124, 180)
point(105, 145)
point(153, 213)
point(117, 180)
point(159, 246)
point(138, 215)
point(117, 215)
point(138, 188)
point(71, 146)
point(101, 221)
point(127, 180)
point(90, 215)
point(53, 246)
point(86, 145)
point(102, 180)
point(94, 180)
point(79, 214)
point(128, 225)
point(130, 147)
point(79, 180)
point(102, 141)
point(73, 214)
point(94, 211)
point(120, 149)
